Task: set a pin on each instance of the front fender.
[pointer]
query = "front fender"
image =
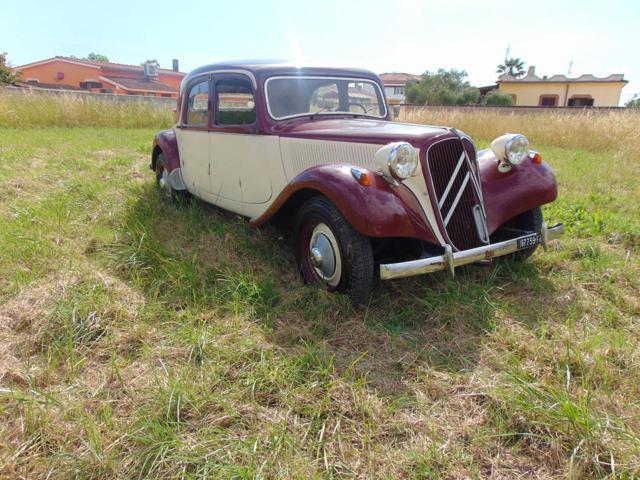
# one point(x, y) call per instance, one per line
point(523, 188)
point(166, 142)
point(377, 210)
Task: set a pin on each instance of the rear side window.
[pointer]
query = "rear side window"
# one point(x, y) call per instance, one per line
point(236, 104)
point(198, 103)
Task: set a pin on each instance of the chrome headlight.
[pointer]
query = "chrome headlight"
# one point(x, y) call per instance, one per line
point(512, 148)
point(398, 160)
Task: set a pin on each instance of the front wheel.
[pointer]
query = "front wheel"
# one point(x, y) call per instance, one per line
point(331, 253)
point(530, 220)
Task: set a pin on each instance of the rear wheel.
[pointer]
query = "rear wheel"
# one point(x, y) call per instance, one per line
point(331, 253)
point(531, 221)
point(167, 192)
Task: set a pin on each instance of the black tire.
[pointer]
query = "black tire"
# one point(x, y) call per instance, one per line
point(353, 261)
point(529, 220)
point(167, 192)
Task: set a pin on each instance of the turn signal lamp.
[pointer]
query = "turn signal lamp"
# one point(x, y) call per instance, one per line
point(535, 157)
point(362, 176)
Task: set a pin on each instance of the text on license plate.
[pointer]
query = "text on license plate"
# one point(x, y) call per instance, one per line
point(529, 241)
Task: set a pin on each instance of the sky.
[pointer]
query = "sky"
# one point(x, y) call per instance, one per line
point(412, 36)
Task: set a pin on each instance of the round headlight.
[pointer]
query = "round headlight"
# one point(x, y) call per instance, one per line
point(402, 160)
point(517, 149)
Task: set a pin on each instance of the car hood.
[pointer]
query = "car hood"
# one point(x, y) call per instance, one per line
point(360, 130)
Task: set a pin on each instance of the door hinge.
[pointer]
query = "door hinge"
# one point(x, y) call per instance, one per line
point(209, 166)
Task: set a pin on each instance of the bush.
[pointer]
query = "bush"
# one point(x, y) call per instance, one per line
point(445, 87)
point(497, 97)
point(633, 103)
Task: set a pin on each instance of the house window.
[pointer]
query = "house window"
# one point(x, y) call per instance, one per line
point(106, 90)
point(398, 90)
point(236, 105)
point(581, 101)
point(90, 84)
point(548, 101)
point(32, 81)
point(198, 103)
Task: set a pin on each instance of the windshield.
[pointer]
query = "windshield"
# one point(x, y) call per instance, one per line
point(289, 97)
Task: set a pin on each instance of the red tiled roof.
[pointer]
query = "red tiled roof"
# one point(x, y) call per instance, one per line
point(398, 78)
point(91, 63)
point(50, 86)
point(139, 84)
point(114, 65)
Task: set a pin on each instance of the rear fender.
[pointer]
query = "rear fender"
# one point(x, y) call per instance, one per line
point(507, 195)
point(377, 210)
point(165, 142)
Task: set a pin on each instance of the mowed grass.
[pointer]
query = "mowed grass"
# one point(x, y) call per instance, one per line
point(140, 340)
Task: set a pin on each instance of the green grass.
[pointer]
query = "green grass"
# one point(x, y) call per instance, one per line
point(139, 340)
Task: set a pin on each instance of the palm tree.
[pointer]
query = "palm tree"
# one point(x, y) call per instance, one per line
point(512, 66)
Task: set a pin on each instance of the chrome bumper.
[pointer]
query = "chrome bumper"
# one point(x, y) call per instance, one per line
point(450, 260)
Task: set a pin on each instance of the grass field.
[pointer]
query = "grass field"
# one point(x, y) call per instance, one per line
point(139, 340)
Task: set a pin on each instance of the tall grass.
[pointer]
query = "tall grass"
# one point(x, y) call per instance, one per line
point(34, 110)
point(591, 130)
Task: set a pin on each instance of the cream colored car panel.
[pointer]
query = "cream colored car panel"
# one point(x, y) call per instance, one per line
point(193, 146)
point(299, 154)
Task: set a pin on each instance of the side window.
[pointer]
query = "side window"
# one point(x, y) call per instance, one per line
point(198, 103)
point(236, 104)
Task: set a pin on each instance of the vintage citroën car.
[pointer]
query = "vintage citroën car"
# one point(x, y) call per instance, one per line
point(368, 197)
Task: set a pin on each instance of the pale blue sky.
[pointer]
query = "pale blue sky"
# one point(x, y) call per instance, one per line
point(403, 35)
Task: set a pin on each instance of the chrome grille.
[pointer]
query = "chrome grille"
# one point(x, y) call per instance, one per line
point(457, 192)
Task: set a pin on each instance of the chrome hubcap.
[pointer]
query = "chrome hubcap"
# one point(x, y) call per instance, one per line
point(325, 255)
point(316, 257)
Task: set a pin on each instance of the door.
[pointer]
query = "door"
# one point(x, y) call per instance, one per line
point(193, 136)
point(241, 159)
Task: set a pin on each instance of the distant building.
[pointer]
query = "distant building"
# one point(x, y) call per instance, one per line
point(67, 73)
point(394, 85)
point(561, 91)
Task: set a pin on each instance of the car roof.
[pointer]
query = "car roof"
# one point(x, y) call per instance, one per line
point(261, 69)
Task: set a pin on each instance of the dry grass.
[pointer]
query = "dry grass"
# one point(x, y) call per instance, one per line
point(139, 340)
point(592, 130)
point(36, 110)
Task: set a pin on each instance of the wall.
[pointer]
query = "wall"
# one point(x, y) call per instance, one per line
point(391, 97)
point(73, 74)
point(167, 102)
point(605, 94)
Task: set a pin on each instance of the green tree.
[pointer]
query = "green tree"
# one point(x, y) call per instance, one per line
point(7, 75)
point(96, 57)
point(512, 66)
point(444, 87)
point(496, 97)
point(634, 102)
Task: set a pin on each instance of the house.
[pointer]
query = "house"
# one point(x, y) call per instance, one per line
point(394, 85)
point(561, 91)
point(68, 73)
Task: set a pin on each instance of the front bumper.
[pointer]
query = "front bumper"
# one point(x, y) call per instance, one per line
point(450, 260)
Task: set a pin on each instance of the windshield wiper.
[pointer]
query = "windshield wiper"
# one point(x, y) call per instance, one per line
point(317, 112)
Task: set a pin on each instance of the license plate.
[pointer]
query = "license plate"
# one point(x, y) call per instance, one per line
point(529, 241)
